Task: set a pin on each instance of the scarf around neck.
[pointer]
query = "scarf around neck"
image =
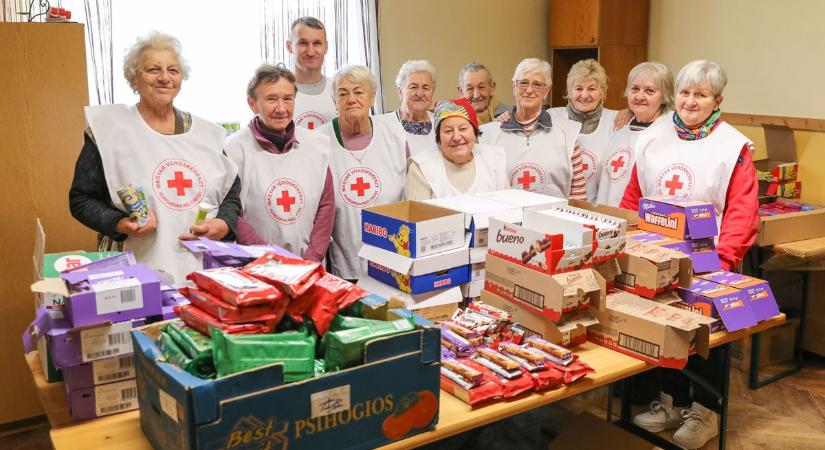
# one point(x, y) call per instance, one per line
point(686, 134)
point(589, 120)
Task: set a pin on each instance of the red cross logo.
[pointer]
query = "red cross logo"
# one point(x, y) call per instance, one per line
point(526, 180)
point(311, 126)
point(585, 166)
point(617, 163)
point(285, 201)
point(359, 186)
point(179, 183)
point(673, 184)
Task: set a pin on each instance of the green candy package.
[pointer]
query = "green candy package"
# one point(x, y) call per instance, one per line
point(319, 368)
point(172, 351)
point(344, 348)
point(341, 322)
point(196, 345)
point(236, 353)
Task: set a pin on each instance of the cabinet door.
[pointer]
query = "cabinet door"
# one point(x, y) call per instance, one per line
point(574, 23)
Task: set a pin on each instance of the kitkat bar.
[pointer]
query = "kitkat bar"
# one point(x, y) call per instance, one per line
point(293, 276)
point(227, 313)
point(234, 286)
point(199, 320)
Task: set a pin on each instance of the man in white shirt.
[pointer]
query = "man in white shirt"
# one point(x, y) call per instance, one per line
point(308, 45)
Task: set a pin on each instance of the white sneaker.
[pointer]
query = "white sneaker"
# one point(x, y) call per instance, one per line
point(700, 425)
point(662, 415)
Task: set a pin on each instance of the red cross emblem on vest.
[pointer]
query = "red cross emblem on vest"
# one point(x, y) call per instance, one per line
point(676, 180)
point(179, 183)
point(284, 200)
point(359, 186)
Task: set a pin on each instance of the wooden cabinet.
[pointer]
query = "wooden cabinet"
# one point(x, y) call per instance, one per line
point(612, 31)
point(44, 89)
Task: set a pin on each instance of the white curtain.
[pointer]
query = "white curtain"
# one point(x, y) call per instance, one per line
point(352, 32)
point(99, 51)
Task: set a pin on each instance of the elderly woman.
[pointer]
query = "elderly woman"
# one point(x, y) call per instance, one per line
point(416, 84)
point(586, 91)
point(696, 155)
point(649, 96)
point(175, 157)
point(368, 163)
point(459, 165)
point(542, 155)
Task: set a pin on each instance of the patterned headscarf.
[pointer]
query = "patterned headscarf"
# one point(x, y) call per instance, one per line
point(454, 108)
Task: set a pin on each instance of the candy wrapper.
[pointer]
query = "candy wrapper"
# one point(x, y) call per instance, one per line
point(345, 348)
point(446, 353)
point(545, 379)
point(464, 376)
point(485, 390)
point(462, 331)
point(197, 346)
point(296, 350)
point(172, 352)
point(577, 369)
point(492, 311)
point(456, 343)
point(529, 358)
point(227, 313)
point(497, 362)
point(555, 353)
point(196, 318)
point(510, 387)
point(480, 323)
point(291, 275)
point(235, 287)
point(324, 299)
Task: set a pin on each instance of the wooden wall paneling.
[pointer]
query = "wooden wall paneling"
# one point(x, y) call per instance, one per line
point(624, 22)
point(41, 125)
point(574, 23)
point(617, 61)
point(797, 123)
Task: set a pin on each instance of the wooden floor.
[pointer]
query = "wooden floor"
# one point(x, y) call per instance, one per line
point(788, 414)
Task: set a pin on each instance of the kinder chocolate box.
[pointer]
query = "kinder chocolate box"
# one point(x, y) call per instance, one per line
point(435, 305)
point(477, 212)
point(420, 275)
point(719, 301)
point(763, 304)
point(541, 250)
point(608, 231)
point(677, 217)
point(608, 270)
point(648, 270)
point(103, 400)
point(702, 252)
point(412, 229)
point(99, 372)
point(523, 199)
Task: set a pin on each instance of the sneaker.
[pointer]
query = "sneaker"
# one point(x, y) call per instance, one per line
point(700, 425)
point(662, 415)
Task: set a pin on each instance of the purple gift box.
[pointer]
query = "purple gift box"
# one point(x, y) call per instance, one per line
point(702, 252)
point(98, 296)
point(73, 346)
point(679, 218)
point(103, 400)
point(759, 292)
point(102, 371)
point(719, 301)
point(228, 254)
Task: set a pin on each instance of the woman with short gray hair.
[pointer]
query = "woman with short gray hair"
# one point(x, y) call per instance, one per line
point(175, 157)
point(415, 83)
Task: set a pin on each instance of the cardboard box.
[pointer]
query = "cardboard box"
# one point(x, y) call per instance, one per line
point(478, 270)
point(780, 165)
point(350, 408)
point(477, 254)
point(648, 270)
point(719, 302)
point(813, 339)
point(608, 270)
point(677, 217)
point(792, 226)
point(477, 211)
point(103, 400)
point(412, 229)
point(588, 432)
point(608, 231)
point(702, 252)
point(525, 200)
point(547, 295)
point(420, 275)
point(51, 372)
point(762, 302)
point(435, 306)
point(631, 217)
point(570, 331)
point(650, 331)
point(102, 371)
point(538, 249)
point(472, 289)
point(776, 346)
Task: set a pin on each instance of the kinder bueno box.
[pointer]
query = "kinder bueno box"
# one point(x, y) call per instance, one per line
point(608, 231)
point(677, 217)
point(477, 212)
point(702, 252)
point(719, 301)
point(608, 270)
point(650, 331)
point(523, 199)
point(420, 275)
point(102, 371)
point(434, 306)
point(412, 229)
point(763, 304)
point(648, 270)
point(538, 249)
point(103, 400)
point(547, 295)
point(571, 330)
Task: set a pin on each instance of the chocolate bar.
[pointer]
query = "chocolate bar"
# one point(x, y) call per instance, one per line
point(555, 353)
point(293, 276)
point(234, 286)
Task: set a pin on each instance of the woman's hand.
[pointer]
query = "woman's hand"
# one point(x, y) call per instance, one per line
point(622, 118)
point(214, 229)
point(503, 117)
point(129, 227)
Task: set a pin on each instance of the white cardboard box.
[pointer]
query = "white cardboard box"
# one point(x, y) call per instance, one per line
point(524, 199)
point(477, 212)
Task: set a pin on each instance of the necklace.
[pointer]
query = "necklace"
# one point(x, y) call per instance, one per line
point(336, 126)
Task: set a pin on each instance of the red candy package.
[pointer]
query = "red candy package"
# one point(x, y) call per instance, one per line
point(324, 299)
point(199, 320)
point(233, 286)
point(293, 276)
point(572, 372)
point(545, 379)
point(227, 313)
point(486, 390)
point(509, 388)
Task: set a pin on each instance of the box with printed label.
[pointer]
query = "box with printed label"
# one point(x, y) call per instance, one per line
point(419, 275)
point(763, 303)
point(702, 252)
point(477, 254)
point(45, 318)
point(630, 216)
point(99, 372)
point(472, 289)
point(523, 199)
point(477, 212)
point(548, 295)
point(608, 270)
point(648, 270)
point(719, 301)
point(435, 306)
point(677, 217)
point(537, 249)
point(570, 331)
point(412, 229)
point(477, 271)
point(650, 331)
point(608, 231)
point(103, 400)
point(393, 395)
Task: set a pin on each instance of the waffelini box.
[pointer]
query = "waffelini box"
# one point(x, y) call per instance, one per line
point(719, 301)
point(762, 302)
point(702, 252)
point(677, 217)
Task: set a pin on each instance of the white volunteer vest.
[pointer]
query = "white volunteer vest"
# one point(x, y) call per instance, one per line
point(593, 147)
point(489, 161)
point(312, 111)
point(280, 193)
point(697, 170)
point(378, 178)
point(176, 172)
point(538, 163)
point(416, 142)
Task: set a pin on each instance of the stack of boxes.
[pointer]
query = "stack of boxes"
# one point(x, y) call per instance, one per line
point(777, 174)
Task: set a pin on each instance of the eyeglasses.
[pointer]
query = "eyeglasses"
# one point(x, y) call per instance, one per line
point(524, 84)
